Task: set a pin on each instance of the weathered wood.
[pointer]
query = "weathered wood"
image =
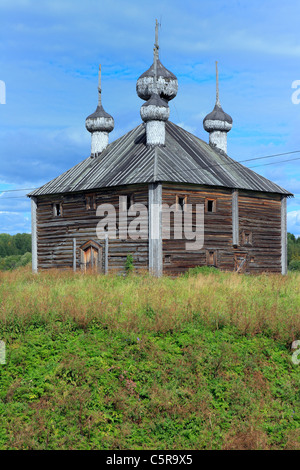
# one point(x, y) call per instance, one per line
point(235, 218)
point(74, 254)
point(55, 248)
point(155, 229)
point(106, 254)
point(34, 234)
point(284, 236)
point(258, 214)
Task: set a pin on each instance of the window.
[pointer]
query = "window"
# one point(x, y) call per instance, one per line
point(57, 209)
point(211, 258)
point(247, 237)
point(90, 202)
point(167, 259)
point(181, 201)
point(210, 205)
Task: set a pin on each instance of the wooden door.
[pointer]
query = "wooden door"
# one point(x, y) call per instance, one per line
point(240, 262)
point(91, 258)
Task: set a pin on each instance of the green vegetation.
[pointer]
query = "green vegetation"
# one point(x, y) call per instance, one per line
point(129, 266)
point(293, 252)
point(110, 362)
point(15, 250)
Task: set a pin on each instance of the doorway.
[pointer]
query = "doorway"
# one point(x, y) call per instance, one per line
point(91, 256)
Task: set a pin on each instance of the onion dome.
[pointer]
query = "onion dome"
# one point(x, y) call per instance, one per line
point(217, 120)
point(167, 83)
point(157, 78)
point(99, 121)
point(155, 109)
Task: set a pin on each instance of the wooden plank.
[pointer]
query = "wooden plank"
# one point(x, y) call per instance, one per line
point(155, 229)
point(235, 218)
point(284, 235)
point(34, 235)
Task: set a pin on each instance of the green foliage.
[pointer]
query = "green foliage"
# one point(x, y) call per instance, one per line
point(293, 250)
point(106, 362)
point(14, 261)
point(295, 265)
point(15, 250)
point(129, 266)
point(201, 270)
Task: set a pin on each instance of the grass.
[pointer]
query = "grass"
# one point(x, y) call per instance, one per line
point(106, 362)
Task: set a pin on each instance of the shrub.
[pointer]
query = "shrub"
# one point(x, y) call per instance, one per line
point(294, 265)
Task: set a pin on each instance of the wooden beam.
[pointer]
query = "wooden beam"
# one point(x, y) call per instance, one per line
point(106, 254)
point(34, 235)
point(235, 218)
point(74, 255)
point(155, 229)
point(284, 235)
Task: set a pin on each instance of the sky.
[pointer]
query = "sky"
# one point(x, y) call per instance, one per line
point(50, 52)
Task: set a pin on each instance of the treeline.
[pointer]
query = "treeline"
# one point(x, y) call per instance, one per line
point(293, 252)
point(15, 250)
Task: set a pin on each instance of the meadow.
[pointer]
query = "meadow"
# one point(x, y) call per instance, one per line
point(203, 361)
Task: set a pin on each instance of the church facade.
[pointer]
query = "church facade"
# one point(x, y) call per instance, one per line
point(161, 195)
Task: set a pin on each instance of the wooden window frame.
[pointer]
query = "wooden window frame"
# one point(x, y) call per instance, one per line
point(247, 237)
point(213, 253)
point(90, 202)
point(214, 205)
point(54, 209)
point(167, 259)
point(178, 197)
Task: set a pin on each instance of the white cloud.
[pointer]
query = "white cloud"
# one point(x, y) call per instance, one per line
point(293, 218)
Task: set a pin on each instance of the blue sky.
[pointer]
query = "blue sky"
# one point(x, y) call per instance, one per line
point(49, 56)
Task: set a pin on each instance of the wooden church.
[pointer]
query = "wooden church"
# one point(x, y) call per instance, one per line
point(243, 216)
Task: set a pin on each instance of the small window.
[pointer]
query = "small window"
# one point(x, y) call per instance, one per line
point(167, 259)
point(210, 205)
point(90, 202)
point(252, 259)
point(57, 210)
point(247, 237)
point(211, 258)
point(181, 202)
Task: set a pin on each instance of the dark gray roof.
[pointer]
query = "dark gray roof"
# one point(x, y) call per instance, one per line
point(99, 113)
point(161, 72)
point(184, 159)
point(218, 114)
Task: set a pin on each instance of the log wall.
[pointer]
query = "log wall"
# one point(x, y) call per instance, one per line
point(259, 232)
point(55, 234)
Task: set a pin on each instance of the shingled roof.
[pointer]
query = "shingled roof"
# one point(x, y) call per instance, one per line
point(184, 159)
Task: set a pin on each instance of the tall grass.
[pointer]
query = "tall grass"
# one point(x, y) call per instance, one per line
point(265, 304)
point(202, 361)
